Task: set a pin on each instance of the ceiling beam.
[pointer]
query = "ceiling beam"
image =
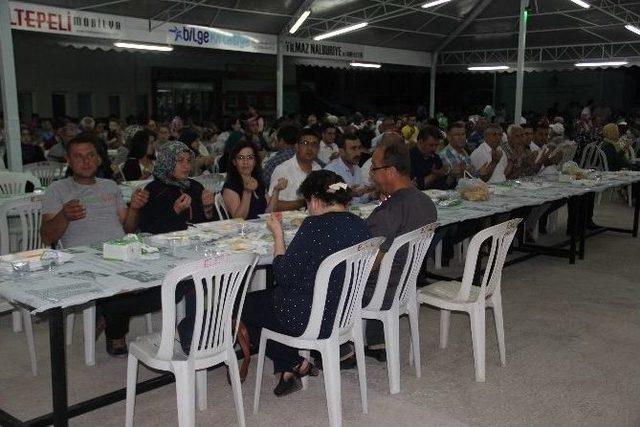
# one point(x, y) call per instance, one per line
point(101, 4)
point(415, 8)
point(468, 20)
point(540, 30)
point(616, 10)
point(553, 12)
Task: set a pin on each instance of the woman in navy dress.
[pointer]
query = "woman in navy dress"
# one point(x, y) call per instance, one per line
point(244, 192)
point(286, 307)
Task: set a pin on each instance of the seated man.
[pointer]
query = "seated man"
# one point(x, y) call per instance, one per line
point(81, 210)
point(287, 139)
point(522, 161)
point(295, 170)
point(328, 149)
point(454, 154)
point(346, 166)
point(427, 168)
point(405, 209)
point(488, 158)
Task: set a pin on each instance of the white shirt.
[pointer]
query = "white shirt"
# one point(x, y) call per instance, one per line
point(546, 170)
point(482, 155)
point(289, 169)
point(365, 169)
point(353, 179)
point(325, 151)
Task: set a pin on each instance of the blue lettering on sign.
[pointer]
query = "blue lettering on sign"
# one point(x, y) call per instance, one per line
point(204, 37)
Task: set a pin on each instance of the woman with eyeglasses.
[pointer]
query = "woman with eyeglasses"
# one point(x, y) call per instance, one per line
point(244, 192)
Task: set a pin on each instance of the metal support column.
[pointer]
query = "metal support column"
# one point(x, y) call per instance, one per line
point(280, 81)
point(522, 42)
point(432, 85)
point(9, 90)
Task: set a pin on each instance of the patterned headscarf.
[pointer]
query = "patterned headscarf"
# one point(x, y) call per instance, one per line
point(130, 131)
point(166, 160)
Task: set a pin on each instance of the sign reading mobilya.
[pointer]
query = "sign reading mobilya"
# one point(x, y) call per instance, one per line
point(304, 48)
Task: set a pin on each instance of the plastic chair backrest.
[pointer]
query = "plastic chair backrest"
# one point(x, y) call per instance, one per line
point(501, 236)
point(417, 243)
point(599, 161)
point(221, 208)
point(29, 213)
point(218, 280)
point(13, 184)
point(45, 171)
point(630, 154)
point(358, 260)
point(587, 155)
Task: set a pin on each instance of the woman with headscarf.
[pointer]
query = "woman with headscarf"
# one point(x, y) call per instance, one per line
point(174, 199)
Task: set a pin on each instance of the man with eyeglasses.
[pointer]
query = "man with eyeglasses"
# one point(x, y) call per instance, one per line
point(295, 170)
point(404, 209)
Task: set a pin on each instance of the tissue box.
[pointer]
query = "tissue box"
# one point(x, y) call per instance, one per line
point(125, 249)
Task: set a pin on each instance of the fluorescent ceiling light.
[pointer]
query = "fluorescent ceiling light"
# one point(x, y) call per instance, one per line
point(633, 29)
point(434, 3)
point(299, 22)
point(221, 32)
point(253, 39)
point(582, 3)
point(143, 46)
point(340, 31)
point(602, 64)
point(365, 65)
point(488, 68)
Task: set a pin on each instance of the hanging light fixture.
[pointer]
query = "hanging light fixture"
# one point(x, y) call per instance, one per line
point(344, 30)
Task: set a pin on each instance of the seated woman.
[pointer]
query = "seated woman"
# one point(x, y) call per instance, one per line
point(286, 307)
point(142, 149)
point(616, 158)
point(175, 200)
point(244, 193)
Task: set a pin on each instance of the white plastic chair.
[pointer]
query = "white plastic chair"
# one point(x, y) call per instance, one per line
point(12, 184)
point(347, 326)
point(417, 244)
point(29, 214)
point(462, 296)
point(213, 336)
point(45, 171)
point(221, 208)
point(630, 154)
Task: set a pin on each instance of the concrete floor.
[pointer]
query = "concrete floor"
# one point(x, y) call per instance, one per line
point(572, 336)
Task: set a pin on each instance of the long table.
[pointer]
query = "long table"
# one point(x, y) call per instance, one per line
point(88, 277)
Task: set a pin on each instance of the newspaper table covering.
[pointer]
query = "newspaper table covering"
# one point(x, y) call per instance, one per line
point(88, 276)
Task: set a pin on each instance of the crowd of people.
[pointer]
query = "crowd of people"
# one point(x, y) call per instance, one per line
point(323, 164)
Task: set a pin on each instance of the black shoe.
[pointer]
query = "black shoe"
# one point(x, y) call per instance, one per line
point(349, 363)
point(119, 350)
point(311, 371)
point(379, 354)
point(289, 386)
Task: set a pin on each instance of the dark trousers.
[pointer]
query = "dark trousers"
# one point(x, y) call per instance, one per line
point(118, 309)
point(258, 313)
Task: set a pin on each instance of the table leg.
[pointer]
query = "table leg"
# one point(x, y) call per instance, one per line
point(574, 206)
point(636, 194)
point(58, 367)
point(582, 206)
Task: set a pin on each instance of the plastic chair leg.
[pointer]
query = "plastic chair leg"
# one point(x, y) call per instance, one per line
point(415, 339)
point(132, 379)
point(181, 310)
point(89, 330)
point(630, 196)
point(234, 374)
point(331, 371)
point(16, 317)
point(259, 281)
point(201, 389)
point(358, 343)
point(444, 327)
point(149, 322)
point(71, 318)
point(476, 317)
point(392, 340)
point(305, 380)
point(497, 316)
point(438, 256)
point(185, 394)
point(261, 351)
point(31, 345)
